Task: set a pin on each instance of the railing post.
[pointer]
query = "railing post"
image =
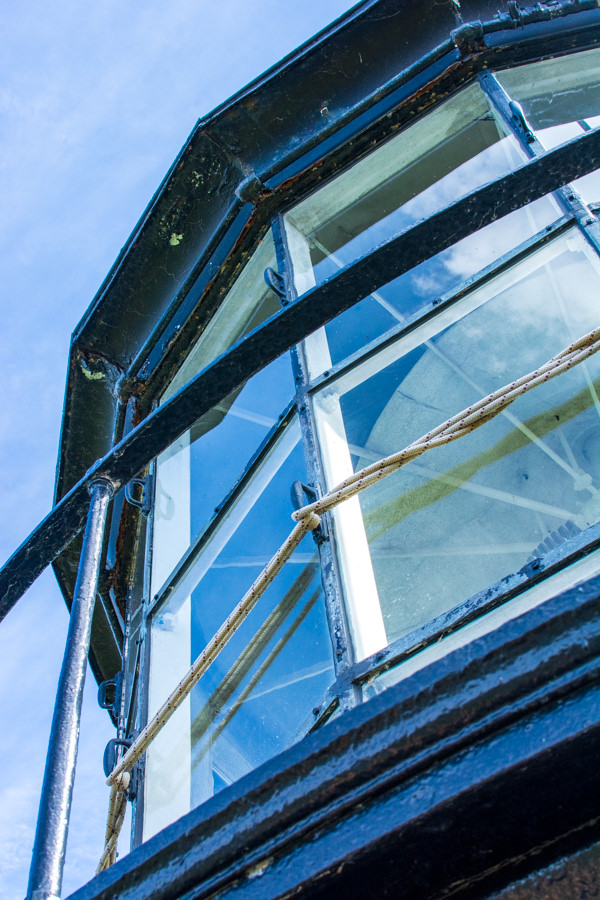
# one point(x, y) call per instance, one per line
point(45, 875)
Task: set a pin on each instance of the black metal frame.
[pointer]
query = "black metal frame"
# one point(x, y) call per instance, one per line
point(336, 614)
point(455, 782)
point(495, 595)
point(473, 45)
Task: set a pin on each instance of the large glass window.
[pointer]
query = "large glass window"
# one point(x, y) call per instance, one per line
point(465, 515)
point(195, 473)
point(415, 547)
point(407, 297)
point(449, 152)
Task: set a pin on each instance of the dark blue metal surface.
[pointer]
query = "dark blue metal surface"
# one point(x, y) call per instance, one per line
point(413, 794)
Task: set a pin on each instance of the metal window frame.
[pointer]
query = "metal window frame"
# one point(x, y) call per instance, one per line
point(346, 690)
point(576, 213)
point(550, 171)
point(186, 561)
point(406, 647)
point(283, 330)
point(356, 675)
point(330, 576)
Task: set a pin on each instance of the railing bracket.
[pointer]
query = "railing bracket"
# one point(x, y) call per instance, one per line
point(276, 283)
point(143, 500)
point(109, 695)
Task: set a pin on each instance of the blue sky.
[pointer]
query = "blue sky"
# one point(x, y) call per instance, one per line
point(95, 102)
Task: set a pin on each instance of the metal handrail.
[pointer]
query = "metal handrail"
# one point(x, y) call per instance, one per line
point(282, 331)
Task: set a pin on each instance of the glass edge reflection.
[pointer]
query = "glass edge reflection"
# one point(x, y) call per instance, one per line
point(171, 584)
point(475, 608)
point(512, 257)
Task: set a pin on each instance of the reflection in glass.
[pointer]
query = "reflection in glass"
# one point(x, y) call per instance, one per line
point(552, 586)
point(255, 697)
point(560, 99)
point(555, 91)
point(196, 472)
point(248, 303)
point(449, 152)
point(401, 300)
point(441, 157)
point(463, 516)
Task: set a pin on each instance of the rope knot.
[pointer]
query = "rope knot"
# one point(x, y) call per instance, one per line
point(122, 781)
point(311, 521)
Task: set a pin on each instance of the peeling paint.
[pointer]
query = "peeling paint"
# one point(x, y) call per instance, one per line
point(259, 869)
point(88, 373)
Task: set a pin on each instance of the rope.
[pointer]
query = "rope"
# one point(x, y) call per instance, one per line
point(213, 648)
point(307, 519)
point(457, 426)
point(117, 805)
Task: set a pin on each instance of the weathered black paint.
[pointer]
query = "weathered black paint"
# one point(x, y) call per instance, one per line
point(221, 218)
point(412, 794)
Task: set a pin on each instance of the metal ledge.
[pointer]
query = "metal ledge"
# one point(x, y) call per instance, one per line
point(414, 792)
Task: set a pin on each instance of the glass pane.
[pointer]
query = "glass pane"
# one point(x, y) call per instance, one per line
point(247, 304)
point(443, 156)
point(585, 568)
point(406, 297)
point(464, 516)
point(254, 699)
point(195, 473)
point(560, 99)
point(555, 91)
